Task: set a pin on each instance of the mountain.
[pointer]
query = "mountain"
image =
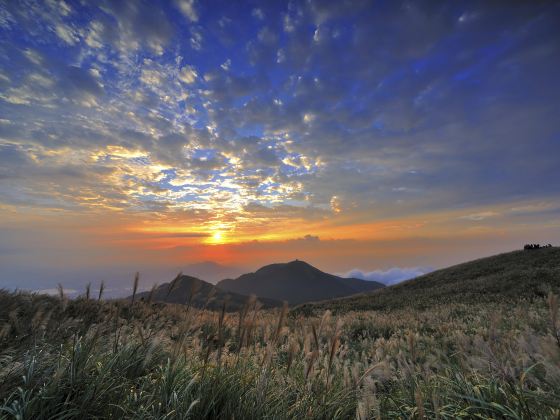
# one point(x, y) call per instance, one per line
point(296, 282)
point(199, 293)
point(509, 277)
point(211, 271)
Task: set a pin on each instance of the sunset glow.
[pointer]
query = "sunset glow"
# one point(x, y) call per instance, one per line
point(217, 237)
point(136, 136)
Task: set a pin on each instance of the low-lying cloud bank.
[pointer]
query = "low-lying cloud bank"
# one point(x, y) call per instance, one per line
point(389, 277)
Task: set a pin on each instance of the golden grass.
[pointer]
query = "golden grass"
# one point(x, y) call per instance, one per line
point(92, 358)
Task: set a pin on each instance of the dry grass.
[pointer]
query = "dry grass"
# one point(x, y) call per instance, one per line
point(63, 358)
point(511, 277)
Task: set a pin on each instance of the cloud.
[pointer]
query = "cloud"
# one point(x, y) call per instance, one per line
point(138, 24)
point(188, 9)
point(388, 277)
point(67, 34)
point(80, 81)
point(308, 239)
point(476, 217)
point(188, 74)
point(56, 292)
point(172, 235)
point(103, 111)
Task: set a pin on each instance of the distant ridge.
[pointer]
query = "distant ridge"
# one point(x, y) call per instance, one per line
point(508, 277)
point(201, 294)
point(211, 272)
point(296, 282)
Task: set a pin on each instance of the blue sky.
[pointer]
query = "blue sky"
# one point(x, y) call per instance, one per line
point(274, 120)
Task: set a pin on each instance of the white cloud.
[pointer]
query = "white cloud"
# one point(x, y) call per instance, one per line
point(226, 65)
point(152, 77)
point(55, 292)
point(187, 8)
point(188, 74)
point(196, 40)
point(336, 204)
point(94, 36)
point(476, 217)
point(65, 9)
point(67, 34)
point(33, 56)
point(309, 117)
point(40, 79)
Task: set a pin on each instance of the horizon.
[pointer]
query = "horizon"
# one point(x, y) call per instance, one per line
point(213, 273)
point(376, 139)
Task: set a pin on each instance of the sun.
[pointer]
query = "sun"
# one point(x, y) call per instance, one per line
point(217, 235)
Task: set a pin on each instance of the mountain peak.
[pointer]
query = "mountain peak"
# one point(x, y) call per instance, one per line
point(296, 264)
point(296, 281)
point(299, 263)
point(191, 290)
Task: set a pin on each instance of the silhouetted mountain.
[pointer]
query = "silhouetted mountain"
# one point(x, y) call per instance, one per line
point(201, 294)
point(509, 277)
point(296, 282)
point(212, 272)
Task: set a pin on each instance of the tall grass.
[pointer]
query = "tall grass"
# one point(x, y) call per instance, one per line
point(62, 358)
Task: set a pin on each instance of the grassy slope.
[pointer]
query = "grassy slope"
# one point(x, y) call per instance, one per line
point(470, 357)
point(511, 276)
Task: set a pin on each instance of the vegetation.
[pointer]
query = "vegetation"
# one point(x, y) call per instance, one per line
point(513, 277)
point(91, 358)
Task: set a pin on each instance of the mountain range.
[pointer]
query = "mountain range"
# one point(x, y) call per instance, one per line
point(193, 291)
point(294, 282)
point(508, 277)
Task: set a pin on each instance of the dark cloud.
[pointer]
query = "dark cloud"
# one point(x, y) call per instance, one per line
point(139, 23)
point(79, 81)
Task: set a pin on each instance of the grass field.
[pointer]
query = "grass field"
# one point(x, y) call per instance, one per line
point(89, 358)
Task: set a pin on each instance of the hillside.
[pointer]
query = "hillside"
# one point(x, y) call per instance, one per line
point(296, 282)
point(511, 276)
point(97, 358)
point(200, 294)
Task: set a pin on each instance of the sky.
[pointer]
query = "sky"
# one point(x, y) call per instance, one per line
point(380, 139)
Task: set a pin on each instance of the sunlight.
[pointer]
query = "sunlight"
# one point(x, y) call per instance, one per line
point(217, 237)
